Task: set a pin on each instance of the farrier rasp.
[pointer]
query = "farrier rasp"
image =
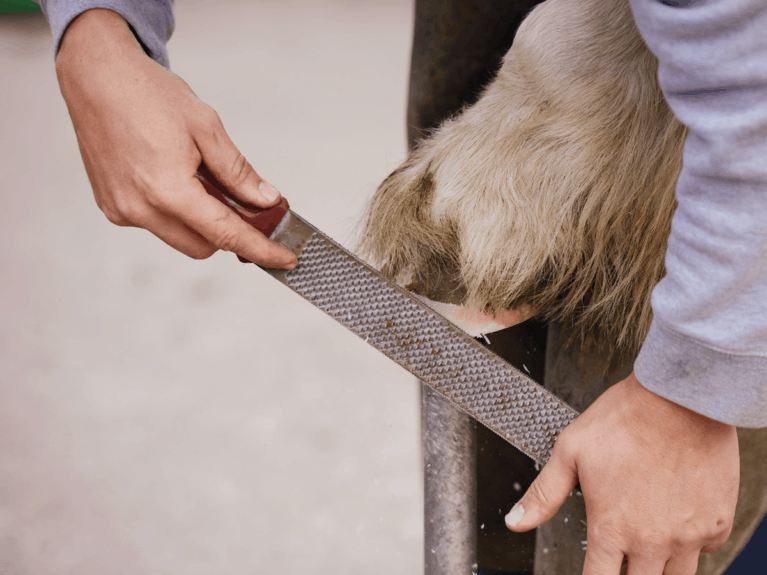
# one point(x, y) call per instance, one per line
point(397, 324)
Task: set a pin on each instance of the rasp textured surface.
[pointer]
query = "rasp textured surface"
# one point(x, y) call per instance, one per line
point(484, 385)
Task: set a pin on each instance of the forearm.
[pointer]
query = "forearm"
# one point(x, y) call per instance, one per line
point(151, 20)
point(707, 348)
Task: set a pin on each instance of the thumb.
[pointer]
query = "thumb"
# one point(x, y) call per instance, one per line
point(547, 493)
point(229, 166)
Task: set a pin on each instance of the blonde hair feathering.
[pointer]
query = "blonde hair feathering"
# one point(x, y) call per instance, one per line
point(555, 190)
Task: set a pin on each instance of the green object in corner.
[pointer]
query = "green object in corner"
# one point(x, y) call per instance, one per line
point(18, 7)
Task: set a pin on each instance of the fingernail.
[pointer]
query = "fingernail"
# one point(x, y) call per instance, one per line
point(515, 515)
point(268, 190)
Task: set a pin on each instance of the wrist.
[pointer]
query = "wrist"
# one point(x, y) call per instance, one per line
point(96, 35)
point(666, 412)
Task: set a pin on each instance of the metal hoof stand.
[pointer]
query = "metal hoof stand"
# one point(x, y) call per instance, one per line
point(472, 477)
point(450, 486)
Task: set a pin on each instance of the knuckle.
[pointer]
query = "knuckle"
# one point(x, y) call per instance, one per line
point(717, 535)
point(605, 535)
point(684, 540)
point(161, 190)
point(133, 212)
point(564, 443)
point(123, 212)
point(225, 236)
point(210, 119)
point(654, 543)
point(539, 491)
point(161, 197)
point(726, 530)
point(241, 170)
point(115, 217)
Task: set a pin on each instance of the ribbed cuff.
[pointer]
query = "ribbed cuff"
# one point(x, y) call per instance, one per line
point(151, 20)
point(726, 387)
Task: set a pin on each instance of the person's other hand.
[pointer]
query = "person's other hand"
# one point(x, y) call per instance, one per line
point(660, 483)
point(143, 133)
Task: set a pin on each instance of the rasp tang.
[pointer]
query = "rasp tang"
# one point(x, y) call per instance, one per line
point(390, 319)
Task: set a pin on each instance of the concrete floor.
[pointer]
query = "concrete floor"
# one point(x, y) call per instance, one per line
point(160, 415)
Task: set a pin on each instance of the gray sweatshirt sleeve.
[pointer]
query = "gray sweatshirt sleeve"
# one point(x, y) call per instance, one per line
point(151, 20)
point(707, 346)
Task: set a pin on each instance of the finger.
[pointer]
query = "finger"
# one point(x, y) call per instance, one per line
point(229, 166)
point(179, 237)
point(172, 232)
point(645, 565)
point(602, 559)
point(714, 543)
point(224, 229)
point(682, 564)
point(547, 493)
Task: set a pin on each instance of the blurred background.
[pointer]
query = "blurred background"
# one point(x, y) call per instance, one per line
point(163, 415)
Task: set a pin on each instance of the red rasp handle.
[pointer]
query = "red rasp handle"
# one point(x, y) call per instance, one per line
point(264, 220)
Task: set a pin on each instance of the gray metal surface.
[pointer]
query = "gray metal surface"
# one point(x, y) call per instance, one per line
point(450, 486)
point(420, 340)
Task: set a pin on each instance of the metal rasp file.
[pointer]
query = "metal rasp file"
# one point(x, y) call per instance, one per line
point(407, 331)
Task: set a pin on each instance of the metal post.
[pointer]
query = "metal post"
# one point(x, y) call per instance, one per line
point(450, 487)
point(447, 72)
